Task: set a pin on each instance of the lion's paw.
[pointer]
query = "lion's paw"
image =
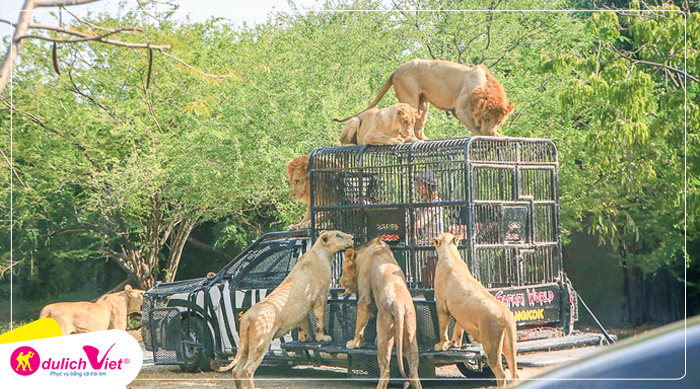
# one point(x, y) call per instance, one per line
point(323, 338)
point(352, 344)
point(304, 336)
point(457, 343)
point(442, 346)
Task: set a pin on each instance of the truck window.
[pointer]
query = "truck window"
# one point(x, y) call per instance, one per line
point(265, 268)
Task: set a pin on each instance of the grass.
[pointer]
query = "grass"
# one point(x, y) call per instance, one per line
point(28, 310)
point(5, 325)
point(24, 311)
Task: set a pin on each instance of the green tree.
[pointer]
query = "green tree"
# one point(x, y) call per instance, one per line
point(133, 163)
point(623, 160)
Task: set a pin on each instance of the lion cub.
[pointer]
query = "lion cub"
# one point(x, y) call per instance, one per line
point(387, 126)
point(306, 287)
point(371, 271)
point(477, 311)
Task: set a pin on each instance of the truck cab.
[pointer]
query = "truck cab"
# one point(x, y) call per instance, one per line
point(500, 193)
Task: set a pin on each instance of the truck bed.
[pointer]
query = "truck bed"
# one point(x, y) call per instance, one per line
point(541, 352)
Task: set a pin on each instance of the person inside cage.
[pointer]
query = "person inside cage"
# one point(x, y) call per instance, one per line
point(429, 222)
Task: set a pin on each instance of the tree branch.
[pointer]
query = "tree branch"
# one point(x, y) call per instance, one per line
point(85, 37)
point(659, 65)
point(39, 122)
point(94, 26)
point(14, 171)
point(8, 22)
point(120, 260)
point(88, 37)
point(199, 71)
point(107, 109)
point(67, 230)
point(62, 3)
point(519, 42)
point(8, 62)
point(118, 288)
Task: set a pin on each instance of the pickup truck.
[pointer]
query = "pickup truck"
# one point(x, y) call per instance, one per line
point(501, 194)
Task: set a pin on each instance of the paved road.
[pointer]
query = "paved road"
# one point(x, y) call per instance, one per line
point(297, 377)
point(312, 377)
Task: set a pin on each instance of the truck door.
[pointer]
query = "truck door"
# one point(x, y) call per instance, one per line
point(260, 272)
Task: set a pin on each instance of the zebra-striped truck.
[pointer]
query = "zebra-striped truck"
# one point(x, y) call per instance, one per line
point(500, 193)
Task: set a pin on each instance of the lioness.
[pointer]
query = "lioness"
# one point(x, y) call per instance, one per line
point(306, 287)
point(475, 310)
point(472, 94)
point(109, 312)
point(298, 173)
point(388, 126)
point(371, 271)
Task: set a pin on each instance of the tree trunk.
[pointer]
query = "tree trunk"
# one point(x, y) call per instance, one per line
point(627, 311)
point(21, 28)
point(176, 248)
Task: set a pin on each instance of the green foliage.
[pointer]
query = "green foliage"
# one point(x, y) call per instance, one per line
point(113, 155)
point(625, 99)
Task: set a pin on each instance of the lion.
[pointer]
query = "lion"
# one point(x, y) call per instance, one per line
point(306, 288)
point(298, 173)
point(371, 271)
point(475, 310)
point(388, 126)
point(472, 94)
point(109, 312)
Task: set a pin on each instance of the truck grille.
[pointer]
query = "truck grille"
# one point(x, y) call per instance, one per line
point(166, 338)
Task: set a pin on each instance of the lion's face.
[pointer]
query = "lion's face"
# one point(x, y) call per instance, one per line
point(349, 278)
point(406, 119)
point(489, 106)
point(446, 238)
point(134, 299)
point(487, 123)
point(298, 174)
point(335, 240)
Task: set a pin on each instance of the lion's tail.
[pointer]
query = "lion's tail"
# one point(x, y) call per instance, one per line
point(512, 347)
point(242, 349)
point(399, 321)
point(387, 85)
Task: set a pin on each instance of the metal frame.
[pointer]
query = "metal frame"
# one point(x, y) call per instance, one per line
point(341, 199)
point(162, 326)
point(351, 185)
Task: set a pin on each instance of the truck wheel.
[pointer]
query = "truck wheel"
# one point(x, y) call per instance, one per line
point(195, 358)
point(485, 374)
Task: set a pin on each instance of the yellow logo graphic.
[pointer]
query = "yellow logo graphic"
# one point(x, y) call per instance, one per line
point(39, 329)
point(532, 314)
point(23, 360)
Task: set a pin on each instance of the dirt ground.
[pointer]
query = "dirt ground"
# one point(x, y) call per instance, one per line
point(298, 377)
point(313, 377)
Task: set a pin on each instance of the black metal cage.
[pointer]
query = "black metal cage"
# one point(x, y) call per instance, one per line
point(499, 193)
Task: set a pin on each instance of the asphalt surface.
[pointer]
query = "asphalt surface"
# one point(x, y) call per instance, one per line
point(313, 377)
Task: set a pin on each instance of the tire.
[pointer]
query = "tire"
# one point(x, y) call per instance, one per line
point(486, 374)
point(195, 357)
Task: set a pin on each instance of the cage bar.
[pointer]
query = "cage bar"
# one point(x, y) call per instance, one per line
point(499, 193)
